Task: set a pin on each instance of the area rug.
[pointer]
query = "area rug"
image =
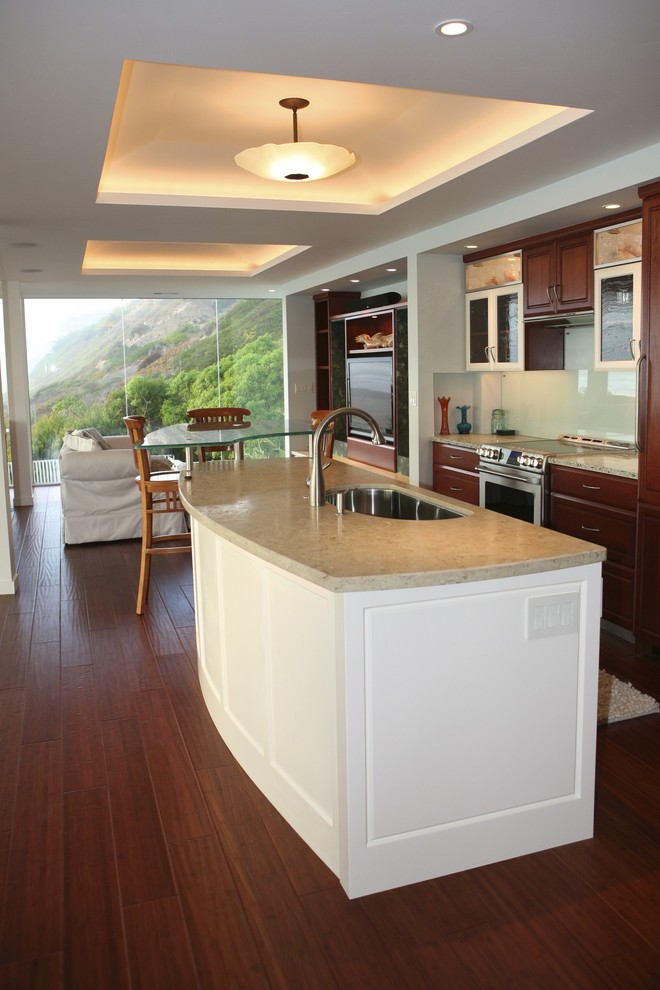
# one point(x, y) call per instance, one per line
point(618, 701)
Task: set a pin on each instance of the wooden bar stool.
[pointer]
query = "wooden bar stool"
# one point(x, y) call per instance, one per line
point(220, 417)
point(160, 494)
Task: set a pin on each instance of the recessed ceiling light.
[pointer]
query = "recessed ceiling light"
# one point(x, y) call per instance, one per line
point(612, 206)
point(454, 28)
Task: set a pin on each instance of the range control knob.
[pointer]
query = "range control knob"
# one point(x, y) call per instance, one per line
point(489, 453)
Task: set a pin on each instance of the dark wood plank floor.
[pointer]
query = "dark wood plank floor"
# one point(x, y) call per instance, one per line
point(134, 852)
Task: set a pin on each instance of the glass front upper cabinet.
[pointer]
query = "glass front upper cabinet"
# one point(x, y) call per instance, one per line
point(494, 329)
point(617, 315)
point(493, 302)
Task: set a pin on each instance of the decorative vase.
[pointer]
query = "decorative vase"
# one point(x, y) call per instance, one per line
point(463, 426)
point(444, 406)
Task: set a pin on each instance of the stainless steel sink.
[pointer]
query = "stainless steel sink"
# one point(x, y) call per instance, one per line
point(388, 503)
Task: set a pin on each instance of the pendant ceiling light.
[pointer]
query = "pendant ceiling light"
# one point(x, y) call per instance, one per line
point(300, 161)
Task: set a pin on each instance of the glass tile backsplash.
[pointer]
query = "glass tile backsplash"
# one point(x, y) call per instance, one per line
point(546, 403)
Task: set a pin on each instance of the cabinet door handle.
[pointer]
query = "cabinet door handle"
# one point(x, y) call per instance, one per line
point(554, 289)
point(640, 431)
point(455, 457)
point(453, 488)
point(547, 289)
point(631, 345)
point(590, 529)
point(592, 488)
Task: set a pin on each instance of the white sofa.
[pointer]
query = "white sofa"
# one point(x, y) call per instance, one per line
point(100, 498)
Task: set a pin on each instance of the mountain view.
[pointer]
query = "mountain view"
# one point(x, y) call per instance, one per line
point(158, 358)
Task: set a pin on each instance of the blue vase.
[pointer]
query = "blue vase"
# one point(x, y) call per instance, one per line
point(463, 426)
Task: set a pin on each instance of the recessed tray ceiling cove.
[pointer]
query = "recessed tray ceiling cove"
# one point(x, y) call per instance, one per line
point(110, 257)
point(176, 129)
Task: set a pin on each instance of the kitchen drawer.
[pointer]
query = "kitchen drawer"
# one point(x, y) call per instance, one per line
point(594, 486)
point(610, 528)
point(456, 484)
point(447, 455)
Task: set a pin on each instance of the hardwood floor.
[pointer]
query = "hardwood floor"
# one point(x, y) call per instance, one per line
point(136, 853)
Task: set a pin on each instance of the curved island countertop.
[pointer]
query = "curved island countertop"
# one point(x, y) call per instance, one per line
point(415, 698)
point(263, 507)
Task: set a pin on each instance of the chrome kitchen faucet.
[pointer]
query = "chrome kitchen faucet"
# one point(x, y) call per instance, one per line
point(316, 482)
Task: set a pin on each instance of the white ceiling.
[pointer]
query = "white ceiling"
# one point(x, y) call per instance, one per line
point(60, 69)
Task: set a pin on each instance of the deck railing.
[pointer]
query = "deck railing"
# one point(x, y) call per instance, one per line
point(43, 472)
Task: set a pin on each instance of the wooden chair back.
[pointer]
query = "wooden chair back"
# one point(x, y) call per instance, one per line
point(220, 416)
point(135, 428)
point(160, 493)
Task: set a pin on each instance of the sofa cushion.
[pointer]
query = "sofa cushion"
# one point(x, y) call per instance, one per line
point(73, 441)
point(85, 440)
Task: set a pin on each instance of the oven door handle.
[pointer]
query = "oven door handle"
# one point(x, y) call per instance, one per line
point(534, 480)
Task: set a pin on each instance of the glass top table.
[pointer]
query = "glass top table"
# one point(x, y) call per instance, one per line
point(195, 435)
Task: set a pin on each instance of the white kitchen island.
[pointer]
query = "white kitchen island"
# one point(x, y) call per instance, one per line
point(415, 698)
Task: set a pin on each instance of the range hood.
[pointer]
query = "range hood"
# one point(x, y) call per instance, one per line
point(563, 320)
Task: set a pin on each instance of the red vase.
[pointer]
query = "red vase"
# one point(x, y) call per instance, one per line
point(444, 406)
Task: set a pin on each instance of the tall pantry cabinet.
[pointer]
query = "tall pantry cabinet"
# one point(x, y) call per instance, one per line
point(647, 581)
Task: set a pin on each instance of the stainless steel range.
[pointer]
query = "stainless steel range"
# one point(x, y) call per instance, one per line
point(513, 481)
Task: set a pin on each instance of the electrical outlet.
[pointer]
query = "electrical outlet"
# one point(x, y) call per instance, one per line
point(301, 387)
point(412, 398)
point(553, 615)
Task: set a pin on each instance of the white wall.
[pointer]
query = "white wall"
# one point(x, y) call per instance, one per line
point(436, 336)
point(8, 581)
point(18, 392)
point(299, 361)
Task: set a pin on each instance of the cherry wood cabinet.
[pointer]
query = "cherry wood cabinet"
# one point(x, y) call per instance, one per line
point(326, 306)
point(391, 322)
point(601, 508)
point(647, 604)
point(558, 275)
point(455, 472)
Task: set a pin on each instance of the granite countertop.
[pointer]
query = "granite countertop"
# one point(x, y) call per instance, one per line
point(622, 462)
point(263, 507)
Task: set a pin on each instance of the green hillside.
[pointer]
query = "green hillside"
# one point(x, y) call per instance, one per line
point(157, 358)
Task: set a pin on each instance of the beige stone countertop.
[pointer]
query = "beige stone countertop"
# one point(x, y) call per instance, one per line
point(621, 463)
point(263, 507)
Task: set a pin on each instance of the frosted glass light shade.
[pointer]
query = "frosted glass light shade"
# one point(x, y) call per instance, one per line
point(301, 161)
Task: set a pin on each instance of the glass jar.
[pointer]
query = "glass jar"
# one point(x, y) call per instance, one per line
point(497, 420)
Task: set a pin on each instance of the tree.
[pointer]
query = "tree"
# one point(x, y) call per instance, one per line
point(48, 431)
point(145, 398)
point(255, 374)
point(179, 398)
